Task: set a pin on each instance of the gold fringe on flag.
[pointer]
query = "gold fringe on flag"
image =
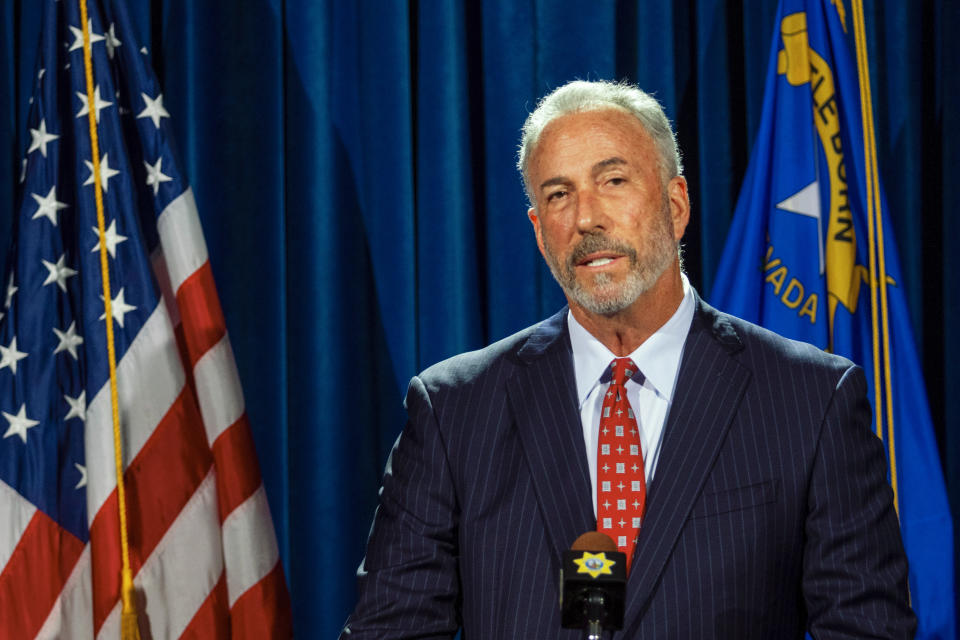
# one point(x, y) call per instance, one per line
point(878, 267)
point(129, 629)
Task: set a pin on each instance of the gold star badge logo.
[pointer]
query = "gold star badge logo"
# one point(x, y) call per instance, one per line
point(594, 564)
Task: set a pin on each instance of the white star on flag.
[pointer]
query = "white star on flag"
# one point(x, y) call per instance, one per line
point(78, 406)
point(118, 308)
point(98, 103)
point(806, 202)
point(39, 138)
point(111, 41)
point(105, 172)
point(78, 34)
point(9, 356)
point(40, 74)
point(59, 272)
point(154, 109)
point(48, 205)
point(83, 475)
point(113, 239)
point(69, 340)
point(19, 423)
point(155, 176)
point(23, 171)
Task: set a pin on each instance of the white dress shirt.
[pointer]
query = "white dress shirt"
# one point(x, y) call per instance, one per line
point(658, 359)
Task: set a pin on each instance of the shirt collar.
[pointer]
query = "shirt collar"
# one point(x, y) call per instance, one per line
point(658, 358)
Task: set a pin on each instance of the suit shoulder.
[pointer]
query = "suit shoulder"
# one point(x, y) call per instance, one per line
point(764, 344)
point(497, 359)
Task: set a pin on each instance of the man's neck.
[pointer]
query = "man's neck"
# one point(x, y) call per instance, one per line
point(624, 331)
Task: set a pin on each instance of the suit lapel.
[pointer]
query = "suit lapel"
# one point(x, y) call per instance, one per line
point(709, 389)
point(543, 398)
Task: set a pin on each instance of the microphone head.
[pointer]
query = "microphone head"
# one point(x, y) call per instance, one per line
point(593, 583)
point(593, 541)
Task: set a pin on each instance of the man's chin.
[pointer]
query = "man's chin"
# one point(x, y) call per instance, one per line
point(603, 301)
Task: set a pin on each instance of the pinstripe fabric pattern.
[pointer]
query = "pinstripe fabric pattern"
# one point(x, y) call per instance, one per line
point(770, 512)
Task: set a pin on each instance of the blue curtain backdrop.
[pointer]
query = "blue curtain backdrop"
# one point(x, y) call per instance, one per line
point(353, 166)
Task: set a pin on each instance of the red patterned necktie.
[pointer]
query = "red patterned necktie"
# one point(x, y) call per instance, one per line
point(621, 485)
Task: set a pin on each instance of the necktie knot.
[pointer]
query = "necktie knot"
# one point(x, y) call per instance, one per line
point(621, 370)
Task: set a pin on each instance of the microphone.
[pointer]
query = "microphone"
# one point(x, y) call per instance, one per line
point(593, 585)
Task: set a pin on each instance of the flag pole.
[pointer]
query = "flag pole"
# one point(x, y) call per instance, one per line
point(129, 629)
point(878, 267)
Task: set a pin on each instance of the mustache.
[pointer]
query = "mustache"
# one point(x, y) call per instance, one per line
point(594, 242)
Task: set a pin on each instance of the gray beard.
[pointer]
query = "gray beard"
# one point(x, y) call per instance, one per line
point(607, 297)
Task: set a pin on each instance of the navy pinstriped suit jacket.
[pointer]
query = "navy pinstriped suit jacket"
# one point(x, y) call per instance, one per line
point(770, 512)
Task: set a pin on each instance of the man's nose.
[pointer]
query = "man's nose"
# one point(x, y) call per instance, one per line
point(591, 213)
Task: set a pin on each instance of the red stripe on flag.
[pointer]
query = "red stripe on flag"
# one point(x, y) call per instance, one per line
point(263, 611)
point(238, 474)
point(184, 355)
point(200, 313)
point(212, 619)
point(159, 482)
point(33, 577)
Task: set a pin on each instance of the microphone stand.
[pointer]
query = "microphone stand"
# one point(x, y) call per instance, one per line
point(595, 608)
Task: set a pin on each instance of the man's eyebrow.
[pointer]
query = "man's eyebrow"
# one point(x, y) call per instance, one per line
point(605, 164)
point(596, 169)
point(553, 181)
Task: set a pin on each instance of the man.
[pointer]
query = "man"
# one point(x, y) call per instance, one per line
point(736, 469)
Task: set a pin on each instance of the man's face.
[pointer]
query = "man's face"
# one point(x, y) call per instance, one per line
point(606, 223)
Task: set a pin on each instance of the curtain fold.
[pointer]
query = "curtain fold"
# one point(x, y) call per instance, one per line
point(353, 164)
point(448, 242)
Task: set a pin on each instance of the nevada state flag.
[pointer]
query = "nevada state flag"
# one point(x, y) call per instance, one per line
point(811, 257)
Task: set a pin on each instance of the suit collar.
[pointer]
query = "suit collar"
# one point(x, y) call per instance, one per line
point(710, 386)
point(552, 332)
point(543, 398)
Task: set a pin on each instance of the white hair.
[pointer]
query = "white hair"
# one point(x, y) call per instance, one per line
point(580, 95)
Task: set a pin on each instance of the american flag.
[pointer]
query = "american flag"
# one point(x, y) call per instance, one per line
point(202, 547)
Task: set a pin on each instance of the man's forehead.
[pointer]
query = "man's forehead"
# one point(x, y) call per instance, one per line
point(600, 133)
point(599, 118)
point(591, 143)
point(608, 162)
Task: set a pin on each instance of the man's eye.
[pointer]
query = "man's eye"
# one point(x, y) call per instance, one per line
point(556, 195)
point(616, 181)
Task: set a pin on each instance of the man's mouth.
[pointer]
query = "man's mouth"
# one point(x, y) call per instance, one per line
point(597, 260)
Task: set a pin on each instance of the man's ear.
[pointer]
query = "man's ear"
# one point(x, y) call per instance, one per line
point(679, 205)
point(535, 221)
